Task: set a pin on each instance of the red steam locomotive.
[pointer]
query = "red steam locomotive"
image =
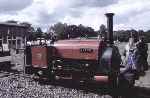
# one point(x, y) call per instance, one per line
point(88, 60)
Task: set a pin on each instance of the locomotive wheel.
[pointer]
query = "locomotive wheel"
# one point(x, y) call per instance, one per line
point(115, 85)
point(122, 87)
point(115, 91)
point(51, 75)
point(28, 70)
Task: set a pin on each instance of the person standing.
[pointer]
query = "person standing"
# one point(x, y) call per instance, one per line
point(129, 47)
point(141, 55)
point(128, 73)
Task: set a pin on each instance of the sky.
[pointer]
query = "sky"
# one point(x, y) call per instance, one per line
point(129, 14)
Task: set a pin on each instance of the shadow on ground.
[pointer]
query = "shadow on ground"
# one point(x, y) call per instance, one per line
point(8, 68)
point(135, 92)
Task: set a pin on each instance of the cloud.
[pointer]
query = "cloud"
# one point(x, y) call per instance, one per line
point(138, 21)
point(49, 11)
point(92, 17)
point(128, 13)
point(131, 14)
point(9, 6)
point(93, 3)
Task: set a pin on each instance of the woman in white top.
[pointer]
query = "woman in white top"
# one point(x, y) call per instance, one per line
point(130, 46)
point(129, 73)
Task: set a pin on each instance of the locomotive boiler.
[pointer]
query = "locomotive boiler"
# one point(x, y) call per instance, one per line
point(87, 60)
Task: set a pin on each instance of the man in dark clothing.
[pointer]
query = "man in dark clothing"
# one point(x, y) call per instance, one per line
point(141, 55)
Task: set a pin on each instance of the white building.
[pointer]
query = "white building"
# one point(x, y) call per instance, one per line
point(13, 34)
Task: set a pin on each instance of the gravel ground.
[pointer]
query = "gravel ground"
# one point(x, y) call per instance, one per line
point(17, 86)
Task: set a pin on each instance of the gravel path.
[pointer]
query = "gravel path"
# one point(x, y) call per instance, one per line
point(18, 86)
point(144, 81)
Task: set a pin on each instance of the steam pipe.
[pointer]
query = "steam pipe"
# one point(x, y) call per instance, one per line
point(109, 36)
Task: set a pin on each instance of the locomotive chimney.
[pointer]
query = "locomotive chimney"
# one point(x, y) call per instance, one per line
point(109, 36)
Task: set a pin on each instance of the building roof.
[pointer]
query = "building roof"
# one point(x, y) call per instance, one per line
point(13, 24)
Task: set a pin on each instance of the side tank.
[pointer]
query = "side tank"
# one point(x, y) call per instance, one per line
point(78, 49)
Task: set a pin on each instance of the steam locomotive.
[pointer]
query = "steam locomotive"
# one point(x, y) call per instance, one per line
point(88, 60)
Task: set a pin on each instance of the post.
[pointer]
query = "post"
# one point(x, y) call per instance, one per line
point(24, 65)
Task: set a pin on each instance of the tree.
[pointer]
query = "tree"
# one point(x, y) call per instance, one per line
point(31, 32)
point(31, 36)
point(38, 32)
point(64, 31)
point(47, 36)
point(102, 30)
point(86, 31)
point(58, 29)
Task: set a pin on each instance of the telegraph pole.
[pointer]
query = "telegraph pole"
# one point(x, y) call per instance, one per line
point(24, 64)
